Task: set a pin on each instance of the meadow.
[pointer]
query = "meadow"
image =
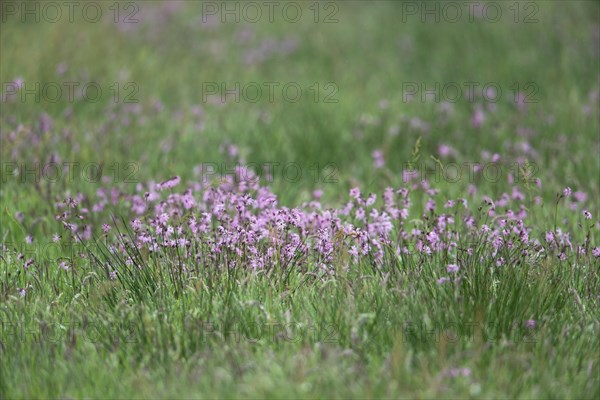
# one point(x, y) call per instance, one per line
point(357, 199)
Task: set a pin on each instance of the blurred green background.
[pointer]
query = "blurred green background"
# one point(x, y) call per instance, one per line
point(369, 53)
point(156, 61)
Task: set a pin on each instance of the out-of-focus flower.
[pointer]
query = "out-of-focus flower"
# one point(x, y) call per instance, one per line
point(477, 118)
point(587, 214)
point(169, 183)
point(452, 268)
point(378, 160)
point(355, 193)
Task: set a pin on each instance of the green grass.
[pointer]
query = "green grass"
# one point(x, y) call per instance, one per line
point(371, 333)
point(345, 337)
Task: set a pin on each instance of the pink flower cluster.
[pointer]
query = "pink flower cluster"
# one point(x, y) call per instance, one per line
point(239, 224)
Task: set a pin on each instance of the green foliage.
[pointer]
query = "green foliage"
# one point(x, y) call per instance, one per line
point(393, 332)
